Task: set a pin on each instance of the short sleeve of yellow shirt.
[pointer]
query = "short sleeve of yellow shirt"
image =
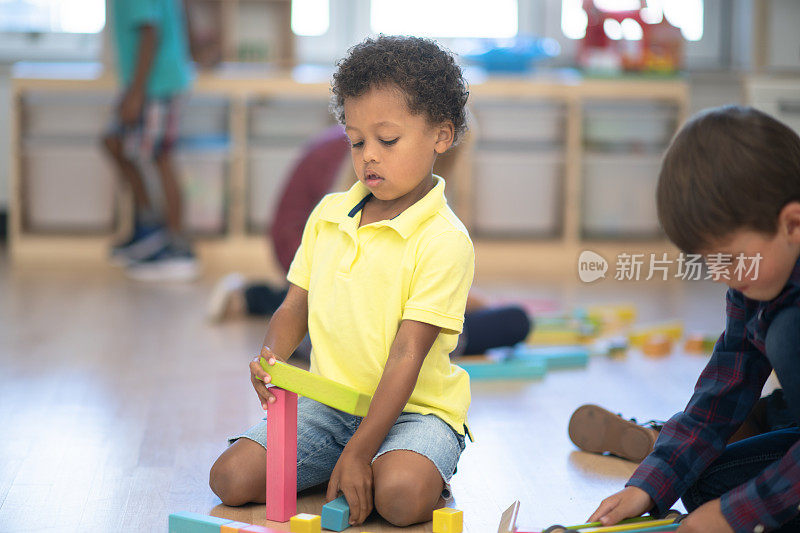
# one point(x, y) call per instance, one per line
point(363, 281)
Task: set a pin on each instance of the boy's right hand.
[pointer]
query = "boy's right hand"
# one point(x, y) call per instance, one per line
point(259, 377)
point(627, 503)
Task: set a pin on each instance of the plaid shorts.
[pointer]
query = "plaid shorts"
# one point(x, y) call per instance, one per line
point(156, 130)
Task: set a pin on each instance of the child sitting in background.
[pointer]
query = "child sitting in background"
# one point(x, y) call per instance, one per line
point(730, 185)
point(380, 283)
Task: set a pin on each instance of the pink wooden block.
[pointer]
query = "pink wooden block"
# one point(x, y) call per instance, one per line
point(259, 529)
point(282, 456)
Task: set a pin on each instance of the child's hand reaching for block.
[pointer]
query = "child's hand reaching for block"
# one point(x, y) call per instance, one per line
point(259, 377)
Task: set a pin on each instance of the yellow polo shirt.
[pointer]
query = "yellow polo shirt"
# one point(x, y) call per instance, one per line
point(362, 282)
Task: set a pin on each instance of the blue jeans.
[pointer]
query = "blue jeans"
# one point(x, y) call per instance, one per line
point(323, 432)
point(746, 459)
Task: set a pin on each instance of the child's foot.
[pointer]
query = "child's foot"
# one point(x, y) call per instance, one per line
point(227, 298)
point(168, 264)
point(597, 430)
point(145, 241)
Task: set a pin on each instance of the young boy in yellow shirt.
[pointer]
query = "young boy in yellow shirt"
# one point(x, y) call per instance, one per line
point(380, 283)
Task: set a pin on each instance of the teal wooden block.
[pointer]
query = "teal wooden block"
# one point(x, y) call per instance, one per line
point(187, 522)
point(554, 357)
point(512, 369)
point(336, 514)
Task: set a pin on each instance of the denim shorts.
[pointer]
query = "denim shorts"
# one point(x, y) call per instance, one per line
point(323, 432)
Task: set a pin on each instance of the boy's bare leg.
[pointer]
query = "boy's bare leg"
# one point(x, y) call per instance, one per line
point(239, 475)
point(128, 172)
point(172, 192)
point(408, 487)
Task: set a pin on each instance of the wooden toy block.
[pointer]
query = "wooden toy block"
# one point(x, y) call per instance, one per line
point(305, 523)
point(699, 343)
point(281, 494)
point(259, 529)
point(640, 527)
point(511, 369)
point(233, 527)
point(554, 356)
point(508, 520)
point(612, 316)
point(187, 522)
point(447, 520)
point(673, 330)
point(336, 514)
point(657, 346)
point(318, 388)
point(554, 336)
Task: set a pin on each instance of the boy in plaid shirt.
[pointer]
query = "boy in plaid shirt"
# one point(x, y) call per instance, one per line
point(730, 188)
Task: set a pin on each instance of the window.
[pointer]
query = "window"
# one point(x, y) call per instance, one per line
point(310, 18)
point(52, 16)
point(445, 18)
point(684, 14)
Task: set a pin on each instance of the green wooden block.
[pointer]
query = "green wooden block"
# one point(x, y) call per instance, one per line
point(317, 388)
point(554, 356)
point(512, 369)
point(187, 522)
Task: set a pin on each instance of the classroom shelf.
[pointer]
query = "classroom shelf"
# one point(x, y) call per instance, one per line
point(520, 182)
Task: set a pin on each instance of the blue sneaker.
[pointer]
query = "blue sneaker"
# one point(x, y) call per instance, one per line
point(145, 241)
point(168, 264)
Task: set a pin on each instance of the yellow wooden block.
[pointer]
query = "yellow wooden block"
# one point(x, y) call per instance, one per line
point(318, 388)
point(305, 523)
point(447, 520)
point(619, 313)
point(555, 337)
point(671, 330)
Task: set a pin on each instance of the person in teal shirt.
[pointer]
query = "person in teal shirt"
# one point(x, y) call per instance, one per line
point(155, 70)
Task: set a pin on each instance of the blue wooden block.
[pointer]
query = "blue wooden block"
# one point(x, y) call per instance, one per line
point(553, 356)
point(186, 522)
point(511, 369)
point(336, 514)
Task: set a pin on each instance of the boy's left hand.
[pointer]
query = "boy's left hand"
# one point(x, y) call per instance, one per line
point(707, 517)
point(352, 476)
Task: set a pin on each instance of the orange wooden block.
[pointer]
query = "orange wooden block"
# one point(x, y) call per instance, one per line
point(657, 346)
point(694, 344)
point(233, 527)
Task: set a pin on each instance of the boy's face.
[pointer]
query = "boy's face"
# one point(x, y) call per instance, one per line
point(778, 253)
point(393, 150)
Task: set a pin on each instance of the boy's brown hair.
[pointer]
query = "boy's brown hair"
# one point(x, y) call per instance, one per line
point(728, 168)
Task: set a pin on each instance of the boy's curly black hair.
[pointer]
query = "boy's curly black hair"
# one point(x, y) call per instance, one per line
point(427, 74)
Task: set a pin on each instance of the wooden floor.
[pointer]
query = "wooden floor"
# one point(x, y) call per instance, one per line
point(116, 397)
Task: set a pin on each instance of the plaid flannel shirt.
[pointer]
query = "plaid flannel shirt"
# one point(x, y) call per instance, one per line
point(724, 395)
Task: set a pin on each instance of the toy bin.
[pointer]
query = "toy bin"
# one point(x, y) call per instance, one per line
point(520, 121)
point(619, 195)
point(296, 120)
point(630, 123)
point(67, 188)
point(269, 168)
point(72, 115)
point(517, 193)
point(203, 174)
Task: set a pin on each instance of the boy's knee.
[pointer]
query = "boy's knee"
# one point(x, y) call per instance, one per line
point(225, 481)
point(113, 145)
point(401, 499)
point(783, 336)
